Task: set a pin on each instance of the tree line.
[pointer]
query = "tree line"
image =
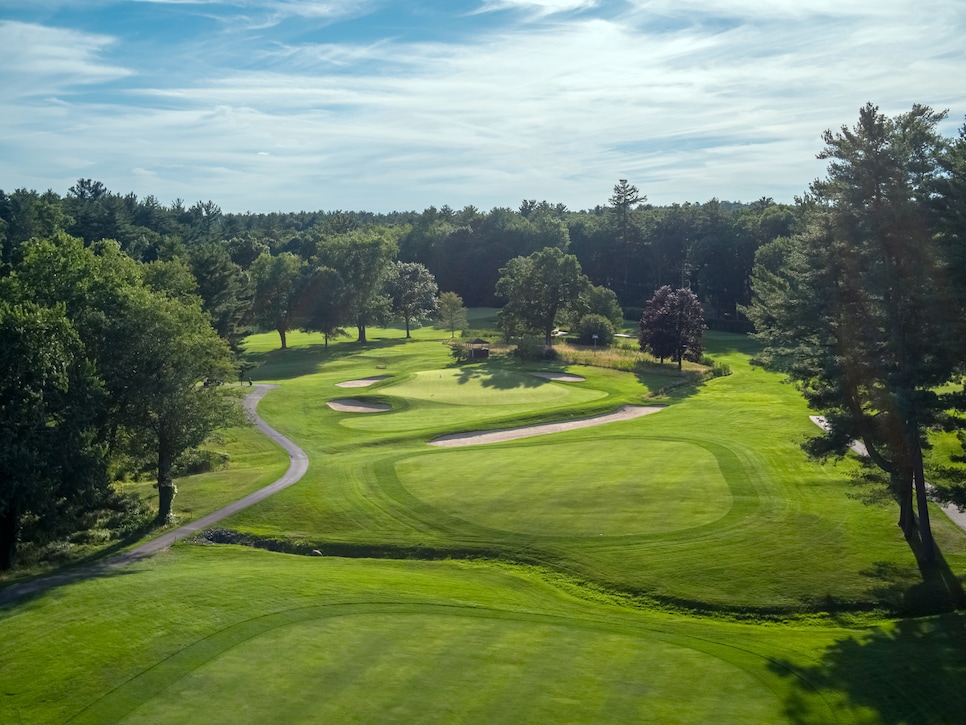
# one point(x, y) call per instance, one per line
point(624, 244)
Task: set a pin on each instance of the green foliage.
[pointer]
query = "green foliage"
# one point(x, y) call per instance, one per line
point(363, 257)
point(538, 288)
point(51, 470)
point(451, 314)
point(412, 289)
point(458, 350)
point(595, 330)
point(276, 280)
point(854, 309)
point(225, 290)
point(198, 460)
point(323, 304)
point(533, 349)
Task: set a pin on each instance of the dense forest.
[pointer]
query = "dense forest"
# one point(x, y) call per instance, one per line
point(625, 245)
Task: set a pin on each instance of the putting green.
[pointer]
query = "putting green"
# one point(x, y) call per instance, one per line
point(598, 487)
point(472, 386)
point(369, 663)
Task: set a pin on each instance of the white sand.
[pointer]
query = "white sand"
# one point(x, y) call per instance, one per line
point(361, 382)
point(628, 412)
point(561, 377)
point(350, 405)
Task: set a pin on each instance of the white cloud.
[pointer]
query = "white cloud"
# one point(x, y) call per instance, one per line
point(556, 111)
point(539, 8)
point(39, 60)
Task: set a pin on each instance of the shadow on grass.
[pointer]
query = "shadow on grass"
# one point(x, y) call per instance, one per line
point(498, 376)
point(105, 562)
point(727, 343)
point(296, 362)
point(938, 589)
point(907, 672)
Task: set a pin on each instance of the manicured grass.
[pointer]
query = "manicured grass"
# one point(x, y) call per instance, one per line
point(225, 634)
point(588, 491)
point(709, 504)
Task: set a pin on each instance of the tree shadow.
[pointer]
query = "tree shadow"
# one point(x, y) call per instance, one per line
point(499, 377)
point(296, 362)
point(912, 670)
point(674, 386)
point(21, 592)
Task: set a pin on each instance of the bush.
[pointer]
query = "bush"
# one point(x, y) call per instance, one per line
point(198, 460)
point(533, 349)
point(458, 350)
point(598, 325)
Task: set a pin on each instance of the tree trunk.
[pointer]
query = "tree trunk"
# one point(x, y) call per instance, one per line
point(407, 327)
point(9, 531)
point(922, 505)
point(902, 483)
point(166, 487)
point(362, 333)
point(281, 334)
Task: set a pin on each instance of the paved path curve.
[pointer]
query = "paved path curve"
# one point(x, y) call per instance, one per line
point(298, 465)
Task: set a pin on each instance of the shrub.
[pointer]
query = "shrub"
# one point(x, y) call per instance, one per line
point(198, 460)
point(533, 349)
point(458, 350)
point(591, 325)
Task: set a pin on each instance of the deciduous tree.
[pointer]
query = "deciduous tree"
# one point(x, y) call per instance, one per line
point(324, 304)
point(275, 280)
point(451, 314)
point(539, 287)
point(672, 325)
point(412, 289)
point(50, 463)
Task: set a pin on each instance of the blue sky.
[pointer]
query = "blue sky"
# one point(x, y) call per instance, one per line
point(381, 105)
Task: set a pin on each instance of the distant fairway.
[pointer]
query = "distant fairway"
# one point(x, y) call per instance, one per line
point(582, 488)
point(490, 387)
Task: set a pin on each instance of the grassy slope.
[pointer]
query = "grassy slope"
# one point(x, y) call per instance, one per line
point(767, 530)
point(227, 634)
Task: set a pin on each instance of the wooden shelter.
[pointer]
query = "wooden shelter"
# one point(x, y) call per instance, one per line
point(478, 348)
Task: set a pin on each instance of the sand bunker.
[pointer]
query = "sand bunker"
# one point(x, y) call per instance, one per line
point(350, 405)
point(628, 412)
point(361, 382)
point(560, 377)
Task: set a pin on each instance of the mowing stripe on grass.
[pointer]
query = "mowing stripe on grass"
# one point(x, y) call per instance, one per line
point(454, 647)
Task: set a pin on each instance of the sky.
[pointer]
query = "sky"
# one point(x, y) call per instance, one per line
point(396, 105)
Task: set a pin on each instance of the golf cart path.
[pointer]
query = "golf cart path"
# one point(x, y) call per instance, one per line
point(298, 465)
point(951, 510)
